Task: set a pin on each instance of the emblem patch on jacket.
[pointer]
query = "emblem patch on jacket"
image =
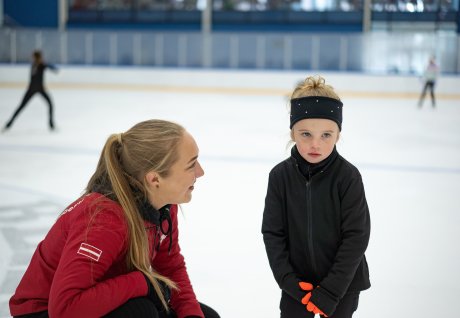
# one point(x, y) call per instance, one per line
point(89, 251)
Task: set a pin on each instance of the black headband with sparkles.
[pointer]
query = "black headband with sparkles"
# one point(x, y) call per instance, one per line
point(316, 107)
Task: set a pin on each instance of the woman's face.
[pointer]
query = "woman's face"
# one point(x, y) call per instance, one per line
point(315, 138)
point(177, 187)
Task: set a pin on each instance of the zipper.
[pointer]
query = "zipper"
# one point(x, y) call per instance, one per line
point(311, 251)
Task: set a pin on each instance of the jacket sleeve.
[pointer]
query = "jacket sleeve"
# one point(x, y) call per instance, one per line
point(355, 231)
point(274, 230)
point(172, 265)
point(52, 67)
point(80, 287)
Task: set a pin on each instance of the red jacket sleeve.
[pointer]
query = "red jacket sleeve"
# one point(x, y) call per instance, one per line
point(89, 281)
point(172, 265)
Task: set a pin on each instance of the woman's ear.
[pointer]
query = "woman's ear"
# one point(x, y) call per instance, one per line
point(338, 137)
point(152, 179)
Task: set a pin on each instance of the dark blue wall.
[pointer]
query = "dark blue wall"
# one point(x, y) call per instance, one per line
point(254, 21)
point(31, 13)
point(44, 13)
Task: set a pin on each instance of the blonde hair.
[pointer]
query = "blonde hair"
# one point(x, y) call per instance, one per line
point(314, 86)
point(126, 158)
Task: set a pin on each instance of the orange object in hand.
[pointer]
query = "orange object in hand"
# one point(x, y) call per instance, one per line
point(306, 299)
point(306, 287)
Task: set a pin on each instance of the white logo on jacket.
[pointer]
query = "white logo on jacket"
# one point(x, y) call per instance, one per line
point(70, 208)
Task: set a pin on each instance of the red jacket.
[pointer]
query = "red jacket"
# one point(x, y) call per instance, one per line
point(79, 269)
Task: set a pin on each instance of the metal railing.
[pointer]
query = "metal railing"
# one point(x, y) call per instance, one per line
point(377, 52)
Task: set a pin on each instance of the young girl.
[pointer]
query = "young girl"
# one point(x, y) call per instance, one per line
point(114, 252)
point(316, 221)
point(35, 86)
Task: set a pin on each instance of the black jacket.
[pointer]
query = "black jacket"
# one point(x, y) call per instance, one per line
point(316, 228)
point(37, 76)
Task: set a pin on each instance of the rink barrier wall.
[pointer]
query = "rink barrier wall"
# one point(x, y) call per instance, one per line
point(242, 82)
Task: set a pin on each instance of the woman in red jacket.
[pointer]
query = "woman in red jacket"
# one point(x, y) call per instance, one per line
point(114, 252)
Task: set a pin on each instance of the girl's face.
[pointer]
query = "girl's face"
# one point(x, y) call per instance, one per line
point(177, 187)
point(315, 138)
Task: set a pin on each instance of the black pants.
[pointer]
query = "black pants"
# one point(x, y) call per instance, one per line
point(141, 307)
point(429, 85)
point(345, 309)
point(28, 95)
point(347, 306)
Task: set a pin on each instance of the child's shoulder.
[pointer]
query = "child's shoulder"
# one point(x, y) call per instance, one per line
point(346, 167)
point(283, 165)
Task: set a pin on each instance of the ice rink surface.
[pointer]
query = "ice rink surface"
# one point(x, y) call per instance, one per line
point(409, 159)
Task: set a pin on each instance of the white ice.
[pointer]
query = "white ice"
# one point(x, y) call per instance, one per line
point(409, 159)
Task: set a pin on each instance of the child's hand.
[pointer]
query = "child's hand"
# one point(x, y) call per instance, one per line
point(311, 307)
point(306, 299)
point(306, 287)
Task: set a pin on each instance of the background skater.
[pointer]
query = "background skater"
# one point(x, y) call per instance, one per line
point(429, 76)
point(36, 85)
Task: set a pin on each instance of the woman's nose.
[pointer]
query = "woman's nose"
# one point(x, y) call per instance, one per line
point(199, 172)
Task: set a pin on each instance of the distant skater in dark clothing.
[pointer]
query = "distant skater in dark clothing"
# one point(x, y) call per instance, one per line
point(35, 86)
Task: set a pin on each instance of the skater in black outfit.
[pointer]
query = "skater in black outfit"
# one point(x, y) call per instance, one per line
point(35, 86)
point(316, 222)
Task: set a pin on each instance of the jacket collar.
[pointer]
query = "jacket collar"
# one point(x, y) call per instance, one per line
point(152, 215)
point(158, 218)
point(308, 169)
